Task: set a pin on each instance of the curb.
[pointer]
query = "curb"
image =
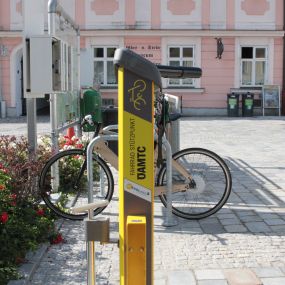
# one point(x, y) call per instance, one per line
point(33, 258)
point(27, 269)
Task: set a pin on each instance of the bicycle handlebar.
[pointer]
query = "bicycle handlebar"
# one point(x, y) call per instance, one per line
point(87, 120)
point(167, 71)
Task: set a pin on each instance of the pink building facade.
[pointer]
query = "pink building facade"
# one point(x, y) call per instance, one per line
point(174, 32)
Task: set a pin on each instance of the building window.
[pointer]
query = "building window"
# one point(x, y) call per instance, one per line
point(253, 66)
point(104, 72)
point(181, 56)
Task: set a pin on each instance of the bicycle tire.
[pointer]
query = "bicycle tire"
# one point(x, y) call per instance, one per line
point(71, 186)
point(208, 170)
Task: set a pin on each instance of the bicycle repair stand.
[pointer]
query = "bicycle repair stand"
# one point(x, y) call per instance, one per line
point(137, 80)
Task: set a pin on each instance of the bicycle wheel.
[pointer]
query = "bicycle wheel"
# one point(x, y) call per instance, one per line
point(63, 182)
point(209, 188)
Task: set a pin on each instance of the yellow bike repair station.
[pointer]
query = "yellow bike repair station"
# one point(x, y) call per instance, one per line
point(137, 80)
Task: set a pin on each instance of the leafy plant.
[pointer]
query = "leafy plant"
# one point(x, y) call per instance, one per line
point(23, 168)
point(23, 222)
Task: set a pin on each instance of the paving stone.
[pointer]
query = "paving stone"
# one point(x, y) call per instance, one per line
point(257, 227)
point(274, 222)
point(254, 218)
point(181, 278)
point(212, 228)
point(227, 222)
point(273, 281)
point(236, 229)
point(241, 277)
point(268, 272)
point(209, 274)
point(212, 282)
point(279, 228)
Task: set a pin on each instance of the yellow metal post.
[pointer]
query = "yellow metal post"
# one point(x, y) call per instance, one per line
point(136, 166)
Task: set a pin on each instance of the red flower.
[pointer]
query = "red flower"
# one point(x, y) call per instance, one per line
point(4, 217)
point(40, 212)
point(2, 187)
point(13, 196)
point(67, 143)
point(79, 145)
point(13, 203)
point(58, 239)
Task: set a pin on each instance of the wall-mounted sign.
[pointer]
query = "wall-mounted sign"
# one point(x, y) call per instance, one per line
point(149, 47)
point(271, 97)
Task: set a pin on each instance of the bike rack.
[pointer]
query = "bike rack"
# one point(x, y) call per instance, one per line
point(170, 220)
point(89, 155)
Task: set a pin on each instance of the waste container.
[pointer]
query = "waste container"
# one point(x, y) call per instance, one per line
point(233, 104)
point(110, 117)
point(90, 104)
point(247, 104)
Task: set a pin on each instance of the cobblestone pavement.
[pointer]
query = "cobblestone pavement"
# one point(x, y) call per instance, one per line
point(18, 126)
point(243, 244)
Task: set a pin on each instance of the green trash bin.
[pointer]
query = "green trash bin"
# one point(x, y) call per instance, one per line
point(90, 104)
point(233, 105)
point(247, 104)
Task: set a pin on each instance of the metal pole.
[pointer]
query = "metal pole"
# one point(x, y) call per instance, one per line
point(170, 221)
point(52, 4)
point(32, 124)
point(89, 154)
point(91, 272)
point(91, 256)
point(102, 182)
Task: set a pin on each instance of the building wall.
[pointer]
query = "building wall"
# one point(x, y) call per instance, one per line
point(149, 27)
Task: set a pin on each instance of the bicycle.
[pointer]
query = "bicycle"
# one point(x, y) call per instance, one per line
point(201, 179)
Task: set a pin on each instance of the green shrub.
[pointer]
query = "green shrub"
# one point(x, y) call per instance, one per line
point(23, 222)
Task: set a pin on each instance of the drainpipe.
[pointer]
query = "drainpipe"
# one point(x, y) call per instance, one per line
point(54, 7)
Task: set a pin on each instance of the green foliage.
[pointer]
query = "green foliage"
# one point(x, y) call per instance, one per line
point(23, 168)
point(23, 222)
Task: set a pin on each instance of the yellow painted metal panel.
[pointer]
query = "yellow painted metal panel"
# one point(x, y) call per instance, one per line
point(136, 250)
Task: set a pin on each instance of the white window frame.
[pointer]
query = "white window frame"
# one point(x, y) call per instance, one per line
point(105, 59)
point(254, 60)
point(181, 59)
point(194, 41)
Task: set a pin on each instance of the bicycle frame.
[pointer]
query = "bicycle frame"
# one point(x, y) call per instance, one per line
point(98, 144)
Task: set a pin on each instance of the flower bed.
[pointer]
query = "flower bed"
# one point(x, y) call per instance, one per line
point(23, 222)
